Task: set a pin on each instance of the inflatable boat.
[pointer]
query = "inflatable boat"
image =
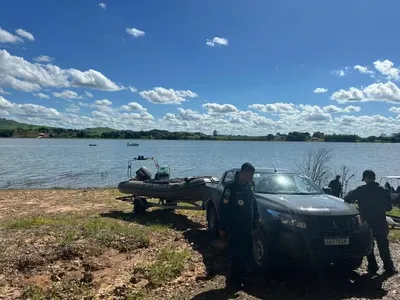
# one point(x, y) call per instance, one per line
point(187, 189)
point(178, 189)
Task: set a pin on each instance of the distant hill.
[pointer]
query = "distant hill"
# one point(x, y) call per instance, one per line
point(11, 128)
point(10, 124)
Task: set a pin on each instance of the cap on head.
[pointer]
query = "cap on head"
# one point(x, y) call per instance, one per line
point(368, 174)
point(247, 167)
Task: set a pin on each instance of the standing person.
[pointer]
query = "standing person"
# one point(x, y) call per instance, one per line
point(238, 217)
point(336, 186)
point(374, 201)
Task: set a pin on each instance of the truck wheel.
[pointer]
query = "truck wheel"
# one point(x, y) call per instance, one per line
point(212, 222)
point(349, 263)
point(260, 250)
point(139, 206)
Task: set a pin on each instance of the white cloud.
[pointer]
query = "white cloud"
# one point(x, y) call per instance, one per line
point(42, 96)
point(103, 102)
point(103, 5)
point(19, 74)
point(340, 73)
point(217, 41)
point(312, 109)
point(67, 94)
point(387, 68)
point(16, 84)
point(351, 108)
point(343, 96)
point(383, 92)
point(135, 32)
point(25, 34)
point(3, 92)
point(335, 109)
point(43, 59)
point(88, 94)
point(319, 117)
point(40, 115)
point(332, 109)
point(190, 115)
point(364, 70)
point(73, 108)
point(161, 95)
point(133, 106)
point(282, 108)
point(219, 108)
point(132, 89)
point(320, 90)
point(32, 110)
point(309, 118)
point(395, 110)
point(4, 103)
point(7, 37)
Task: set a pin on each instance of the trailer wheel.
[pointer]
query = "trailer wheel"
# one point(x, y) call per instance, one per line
point(139, 205)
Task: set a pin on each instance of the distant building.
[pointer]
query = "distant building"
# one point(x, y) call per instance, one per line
point(43, 135)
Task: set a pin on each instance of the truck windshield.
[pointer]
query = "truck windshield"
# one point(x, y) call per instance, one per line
point(294, 184)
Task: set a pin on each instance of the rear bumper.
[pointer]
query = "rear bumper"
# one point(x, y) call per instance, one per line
point(303, 245)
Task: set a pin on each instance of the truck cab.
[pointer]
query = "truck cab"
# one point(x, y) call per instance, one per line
point(298, 219)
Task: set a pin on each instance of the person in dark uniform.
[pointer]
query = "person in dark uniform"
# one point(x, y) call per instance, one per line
point(373, 203)
point(336, 186)
point(238, 218)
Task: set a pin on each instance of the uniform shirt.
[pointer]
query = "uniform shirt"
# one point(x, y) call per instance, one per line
point(373, 203)
point(336, 186)
point(238, 209)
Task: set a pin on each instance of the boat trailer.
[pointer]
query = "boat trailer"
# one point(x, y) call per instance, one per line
point(140, 204)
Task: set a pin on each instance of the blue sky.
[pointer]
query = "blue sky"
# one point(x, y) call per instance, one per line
point(248, 67)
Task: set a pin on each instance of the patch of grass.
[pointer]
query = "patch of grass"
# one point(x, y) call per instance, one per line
point(69, 289)
point(394, 235)
point(395, 212)
point(168, 266)
point(70, 237)
point(38, 221)
point(33, 292)
point(113, 233)
point(137, 295)
point(27, 223)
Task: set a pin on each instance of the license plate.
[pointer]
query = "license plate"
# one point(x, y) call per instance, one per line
point(336, 241)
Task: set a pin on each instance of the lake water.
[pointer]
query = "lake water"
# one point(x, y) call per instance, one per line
point(71, 163)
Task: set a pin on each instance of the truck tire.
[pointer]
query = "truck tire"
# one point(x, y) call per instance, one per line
point(348, 264)
point(212, 221)
point(261, 259)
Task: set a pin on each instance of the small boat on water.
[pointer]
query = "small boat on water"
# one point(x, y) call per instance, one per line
point(132, 144)
point(189, 189)
point(92, 145)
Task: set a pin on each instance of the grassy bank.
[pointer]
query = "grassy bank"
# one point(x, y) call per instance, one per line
point(84, 244)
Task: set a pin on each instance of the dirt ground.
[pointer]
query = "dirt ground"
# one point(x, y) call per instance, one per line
point(85, 244)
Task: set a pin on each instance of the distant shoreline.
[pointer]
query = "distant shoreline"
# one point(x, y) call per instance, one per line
point(199, 140)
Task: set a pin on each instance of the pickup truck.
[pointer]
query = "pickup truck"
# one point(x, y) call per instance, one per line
point(298, 219)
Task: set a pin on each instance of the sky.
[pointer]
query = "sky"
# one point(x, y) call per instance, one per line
point(240, 67)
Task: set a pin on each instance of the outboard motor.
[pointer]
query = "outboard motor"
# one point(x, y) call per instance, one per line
point(143, 174)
